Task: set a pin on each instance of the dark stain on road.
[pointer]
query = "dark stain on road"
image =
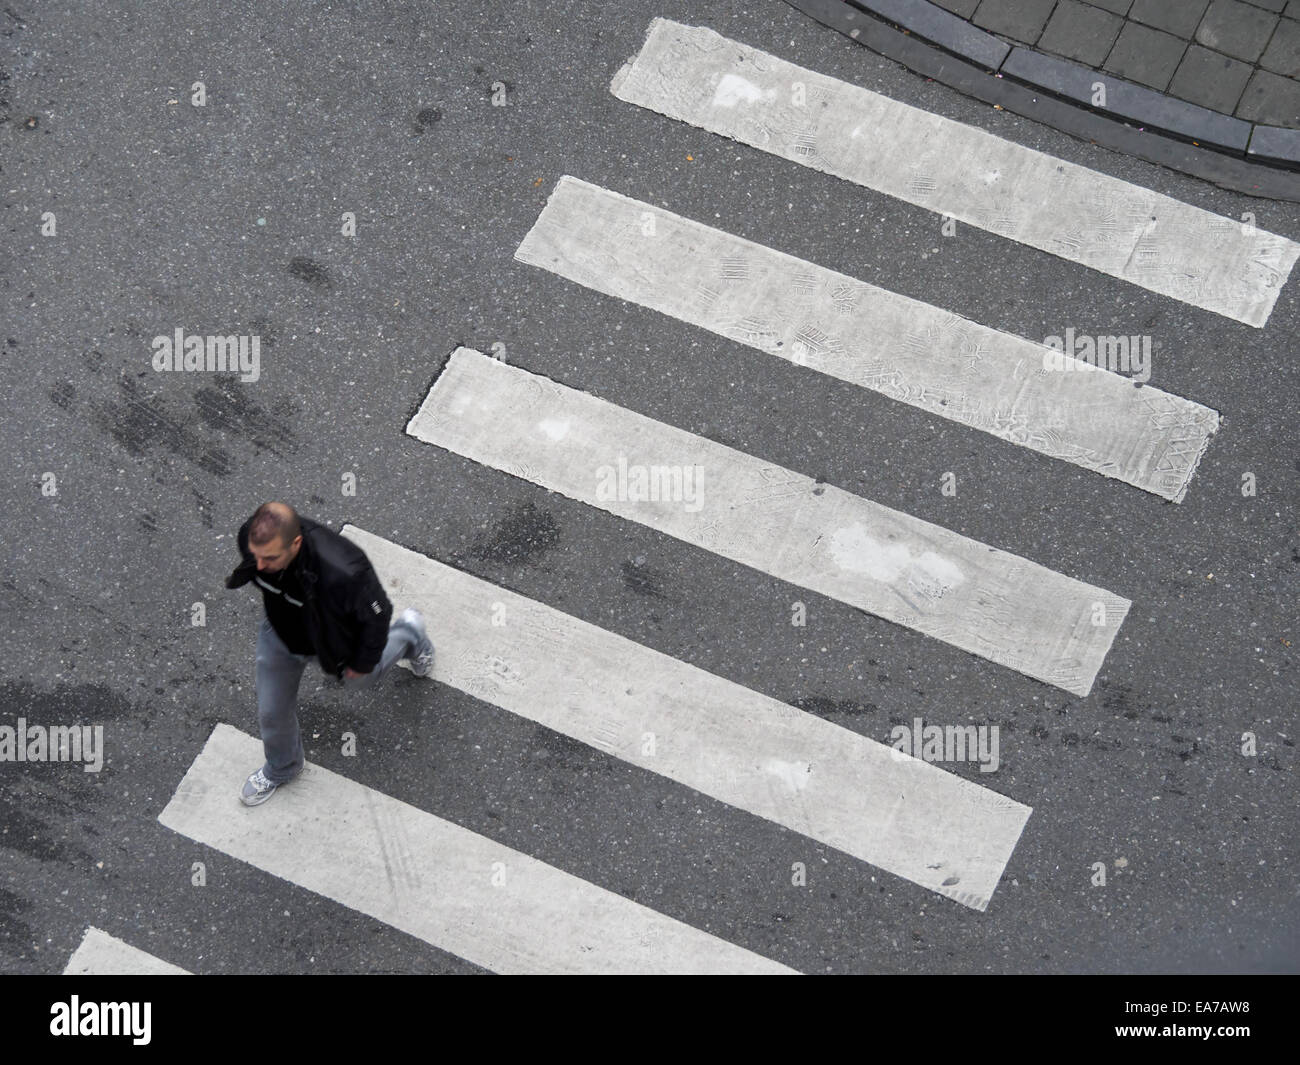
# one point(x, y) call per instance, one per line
point(63, 704)
point(42, 803)
point(204, 505)
point(62, 395)
point(309, 270)
point(225, 405)
point(563, 758)
point(262, 328)
point(426, 117)
point(521, 536)
point(46, 841)
point(824, 707)
point(139, 424)
point(13, 930)
point(642, 580)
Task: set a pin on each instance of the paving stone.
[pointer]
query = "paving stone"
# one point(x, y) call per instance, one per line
point(1210, 79)
point(1178, 17)
point(1236, 29)
point(1143, 106)
point(1147, 56)
point(1021, 20)
point(964, 8)
point(1271, 98)
point(1293, 8)
point(1232, 170)
point(1080, 31)
point(945, 29)
point(1116, 7)
point(1268, 5)
point(1276, 143)
point(1282, 56)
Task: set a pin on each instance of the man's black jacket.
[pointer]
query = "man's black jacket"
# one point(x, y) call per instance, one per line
point(345, 610)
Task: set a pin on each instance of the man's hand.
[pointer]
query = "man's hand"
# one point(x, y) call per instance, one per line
point(349, 672)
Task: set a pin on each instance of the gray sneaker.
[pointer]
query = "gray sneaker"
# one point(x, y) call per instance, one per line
point(421, 658)
point(257, 789)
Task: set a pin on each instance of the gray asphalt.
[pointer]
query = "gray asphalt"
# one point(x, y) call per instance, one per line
point(226, 219)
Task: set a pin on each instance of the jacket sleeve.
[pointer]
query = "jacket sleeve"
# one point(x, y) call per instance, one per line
point(373, 611)
point(247, 569)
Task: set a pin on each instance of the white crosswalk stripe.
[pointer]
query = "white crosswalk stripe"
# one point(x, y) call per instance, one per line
point(697, 76)
point(100, 954)
point(892, 344)
point(708, 733)
point(991, 603)
point(483, 901)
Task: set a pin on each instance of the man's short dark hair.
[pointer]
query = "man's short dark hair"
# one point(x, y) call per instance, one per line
point(272, 520)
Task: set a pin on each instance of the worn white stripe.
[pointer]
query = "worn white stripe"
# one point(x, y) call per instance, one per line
point(711, 734)
point(100, 954)
point(991, 603)
point(692, 74)
point(903, 348)
point(431, 878)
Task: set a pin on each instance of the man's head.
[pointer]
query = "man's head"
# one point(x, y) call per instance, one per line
point(274, 536)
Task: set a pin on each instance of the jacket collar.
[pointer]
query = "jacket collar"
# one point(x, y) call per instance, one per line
point(306, 561)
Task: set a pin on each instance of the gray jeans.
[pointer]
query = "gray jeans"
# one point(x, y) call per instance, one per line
point(279, 672)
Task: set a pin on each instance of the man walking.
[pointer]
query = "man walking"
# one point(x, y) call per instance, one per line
point(322, 600)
